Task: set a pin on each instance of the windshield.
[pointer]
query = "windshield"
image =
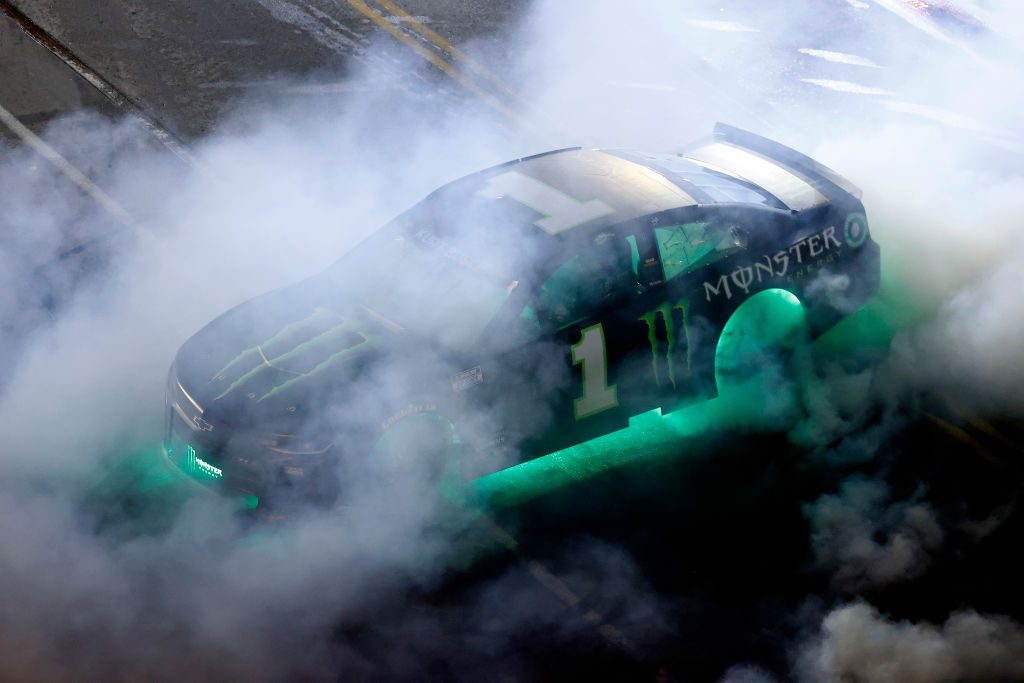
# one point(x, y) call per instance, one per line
point(435, 278)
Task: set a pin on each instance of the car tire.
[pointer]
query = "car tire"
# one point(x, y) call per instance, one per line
point(759, 359)
point(420, 448)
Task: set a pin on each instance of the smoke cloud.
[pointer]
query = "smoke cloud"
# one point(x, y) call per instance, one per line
point(866, 541)
point(87, 591)
point(859, 644)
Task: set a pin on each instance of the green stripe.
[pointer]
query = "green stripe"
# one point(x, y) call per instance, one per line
point(318, 369)
point(315, 316)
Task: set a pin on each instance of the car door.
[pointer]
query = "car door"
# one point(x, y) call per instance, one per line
point(576, 348)
point(709, 271)
point(620, 327)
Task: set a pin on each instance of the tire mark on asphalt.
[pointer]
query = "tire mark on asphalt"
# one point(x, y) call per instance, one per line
point(438, 61)
point(328, 31)
point(91, 76)
point(69, 170)
point(453, 53)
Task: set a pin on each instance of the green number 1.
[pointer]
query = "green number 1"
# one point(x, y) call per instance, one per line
point(590, 353)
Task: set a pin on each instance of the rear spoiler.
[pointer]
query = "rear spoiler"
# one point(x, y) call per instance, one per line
point(828, 182)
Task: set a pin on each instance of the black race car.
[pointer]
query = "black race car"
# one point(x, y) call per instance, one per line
point(516, 311)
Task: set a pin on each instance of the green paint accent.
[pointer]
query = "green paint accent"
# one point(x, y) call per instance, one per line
point(648, 436)
point(332, 360)
point(252, 501)
point(634, 252)
point(336, 333)
point(683, 306)
point(652, 339)
point(248, 355)
point(316, 315)
point(651, 317)
point(323, 340)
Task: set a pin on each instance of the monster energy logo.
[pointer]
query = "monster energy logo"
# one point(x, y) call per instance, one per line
point(196, 465)
point(666, 312)
point(294, 353)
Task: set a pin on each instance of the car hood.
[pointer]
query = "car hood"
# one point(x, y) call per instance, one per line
point(279, 353)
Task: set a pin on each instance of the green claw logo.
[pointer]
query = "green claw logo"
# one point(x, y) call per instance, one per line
point(299, 350)
point(667, 313)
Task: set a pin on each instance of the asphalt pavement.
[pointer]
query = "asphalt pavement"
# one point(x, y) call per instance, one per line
point(185, 62)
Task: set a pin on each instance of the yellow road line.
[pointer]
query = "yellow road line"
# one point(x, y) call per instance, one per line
point(978, 423)
point(524, 113)
point(963, 436)
point(987, 428)
point(437, 61)
point(557, 587)
point(68, 169)
point(443, 44)
point(540, 573)
point(119, 99)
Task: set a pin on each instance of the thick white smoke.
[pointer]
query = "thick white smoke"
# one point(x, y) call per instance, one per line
point(282, 191)
point(864, 540)
point(275, 200)
point(857, 643)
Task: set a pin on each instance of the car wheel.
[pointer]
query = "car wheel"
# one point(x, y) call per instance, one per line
point(758, 359)
point(420, 449)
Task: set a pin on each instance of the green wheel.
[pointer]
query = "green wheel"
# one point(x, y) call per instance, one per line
point(757, 360)
point(419, 448)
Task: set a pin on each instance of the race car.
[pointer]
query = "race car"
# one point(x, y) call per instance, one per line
point(516, 311)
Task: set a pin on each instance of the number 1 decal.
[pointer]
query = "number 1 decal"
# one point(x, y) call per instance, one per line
point(561, 211)
point(590, 353)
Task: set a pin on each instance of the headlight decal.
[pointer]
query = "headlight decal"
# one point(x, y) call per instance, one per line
point(195, 465)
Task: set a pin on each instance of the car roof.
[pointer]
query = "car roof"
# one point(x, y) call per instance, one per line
point(577, 189)
point(592, 188)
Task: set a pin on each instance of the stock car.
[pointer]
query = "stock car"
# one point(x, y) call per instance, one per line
point(522, 309)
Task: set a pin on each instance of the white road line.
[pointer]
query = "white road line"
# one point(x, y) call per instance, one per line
point(723, 26)
point(838, 57)
point(846, 86)
point(69, 170)
point(126, 105)
point(858, 4)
